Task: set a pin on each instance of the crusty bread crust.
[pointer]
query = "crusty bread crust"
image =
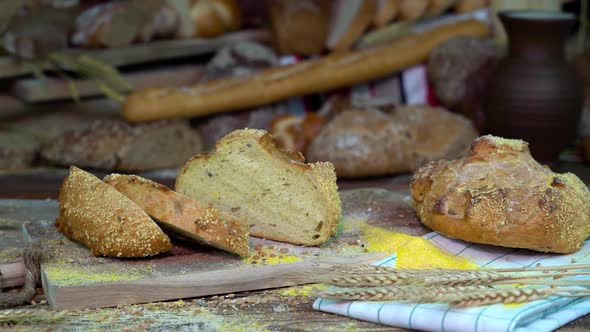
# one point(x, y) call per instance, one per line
point(500, 195)
point(322, 179)
point(371, 142)
point(190, 218)
point(106, 221)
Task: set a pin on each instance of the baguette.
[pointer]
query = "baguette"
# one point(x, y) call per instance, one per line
point(279, 83)
point(104, 220)
point(184, 215)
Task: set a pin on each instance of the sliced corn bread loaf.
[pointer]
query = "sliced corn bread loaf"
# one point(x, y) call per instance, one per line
point(106, 221)
point(184, 215)
point(276, 192)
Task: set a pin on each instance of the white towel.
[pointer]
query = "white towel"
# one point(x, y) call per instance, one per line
point(538, 316)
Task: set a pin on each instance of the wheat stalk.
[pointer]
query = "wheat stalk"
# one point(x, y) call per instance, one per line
point(14, 315)
point(458, 296)
point(461, 288)
point(470, 278)
point(397, 293)
point(512, 295)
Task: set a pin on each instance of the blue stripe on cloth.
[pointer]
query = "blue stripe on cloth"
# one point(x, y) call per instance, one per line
point(442, 323)
point(465, 248)
point(479, 315)
point(431, 236)
point(411, 315)
point(379, 313)
point(515, 319)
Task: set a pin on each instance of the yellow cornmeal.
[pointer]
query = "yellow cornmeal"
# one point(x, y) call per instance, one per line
point(273, 260)
point(413, 252)
point(306, 290)
point(62, 274)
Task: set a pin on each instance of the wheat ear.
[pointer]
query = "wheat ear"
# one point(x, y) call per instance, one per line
point(513, 295)
point(13, 315)
point(397, 293)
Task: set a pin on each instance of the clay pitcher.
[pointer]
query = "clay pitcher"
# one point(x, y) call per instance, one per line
point(535, 95)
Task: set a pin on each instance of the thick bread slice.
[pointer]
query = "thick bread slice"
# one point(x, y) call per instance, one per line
point(184, 215)
point(106, 221)
point(281, 197)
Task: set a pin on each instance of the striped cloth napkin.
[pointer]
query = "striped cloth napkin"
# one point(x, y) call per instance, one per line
point(541, 315)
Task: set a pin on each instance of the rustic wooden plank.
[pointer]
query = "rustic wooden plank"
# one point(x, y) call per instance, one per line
point(73, 278)
point(33, 90)
point(146, 52)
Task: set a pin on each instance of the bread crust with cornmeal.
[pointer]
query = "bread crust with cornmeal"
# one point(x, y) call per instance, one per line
point(500, 195)
point(106, 221)
point(184, 215)
point(276, 192)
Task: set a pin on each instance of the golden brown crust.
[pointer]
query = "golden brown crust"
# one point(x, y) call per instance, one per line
point(106, 221)
point(500, 195)
point(200, 222)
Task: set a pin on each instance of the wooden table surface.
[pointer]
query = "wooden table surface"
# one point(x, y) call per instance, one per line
point(274, 310)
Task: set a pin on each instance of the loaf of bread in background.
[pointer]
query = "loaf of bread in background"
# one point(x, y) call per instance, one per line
point(348, 20)
point(385, 12)
point(121, 23)
point(106, 221)
point(464, 6)
point(500, 195)
point(299, 27)
point(117, 145)
point(212, 18)
point(280, 196)
point(183, 215)
point(295, 133)
point(373, 142)
point(412, 10)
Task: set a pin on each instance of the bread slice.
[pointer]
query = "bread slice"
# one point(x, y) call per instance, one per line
point(184, 215)
point(276, 192)
point(106, 221)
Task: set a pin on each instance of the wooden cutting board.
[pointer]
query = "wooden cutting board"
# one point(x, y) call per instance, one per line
point(74, 279)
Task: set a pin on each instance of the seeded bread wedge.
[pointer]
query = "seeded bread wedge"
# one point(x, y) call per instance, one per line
point(276, 192)
point(184, 215)
point(106, 221)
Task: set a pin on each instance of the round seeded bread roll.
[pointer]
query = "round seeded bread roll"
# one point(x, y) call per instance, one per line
point(500, 195)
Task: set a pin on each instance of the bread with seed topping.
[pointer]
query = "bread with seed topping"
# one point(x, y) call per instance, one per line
point(106, 221)
point(279, 195)
point(183, 215)
point(500, 195)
